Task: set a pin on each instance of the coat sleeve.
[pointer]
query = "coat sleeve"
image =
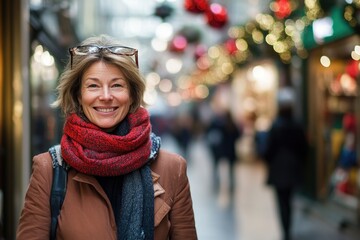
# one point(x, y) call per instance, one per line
point(182, 215)
point(34, 222)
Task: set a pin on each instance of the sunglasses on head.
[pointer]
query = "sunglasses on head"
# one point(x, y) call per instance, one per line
point(92, 49)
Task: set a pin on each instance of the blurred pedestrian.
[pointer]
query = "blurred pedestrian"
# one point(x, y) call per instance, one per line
point(120, 184)
point(182, 132)
point(222, 135)
point(285, 155)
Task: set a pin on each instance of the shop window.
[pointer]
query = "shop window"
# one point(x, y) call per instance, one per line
point(334, 87)
point(44, 74)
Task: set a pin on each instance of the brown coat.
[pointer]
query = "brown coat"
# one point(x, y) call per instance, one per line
point(87, 212)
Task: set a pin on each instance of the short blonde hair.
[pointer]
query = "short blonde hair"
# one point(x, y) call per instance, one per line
point(70, 80)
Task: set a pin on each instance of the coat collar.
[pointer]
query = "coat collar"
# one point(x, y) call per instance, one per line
point(158, 189)
point(161, 208)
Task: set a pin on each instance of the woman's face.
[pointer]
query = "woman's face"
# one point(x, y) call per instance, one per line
point(105, 95)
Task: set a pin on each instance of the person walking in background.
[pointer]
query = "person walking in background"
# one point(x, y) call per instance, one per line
point(182, 131)
point(120, 184)
point(222, 135)
point(285, 154)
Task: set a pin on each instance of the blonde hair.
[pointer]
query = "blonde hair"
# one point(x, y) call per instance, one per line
point(70, 79)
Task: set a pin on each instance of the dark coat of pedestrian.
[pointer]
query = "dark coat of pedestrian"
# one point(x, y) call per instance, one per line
point(223, 134)
point(285, 156)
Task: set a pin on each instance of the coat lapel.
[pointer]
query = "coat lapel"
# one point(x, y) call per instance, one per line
point(161, 208)
point(158, 189)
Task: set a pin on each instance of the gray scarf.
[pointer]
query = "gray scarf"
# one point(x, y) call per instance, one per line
point(132, 196)
point(137, 205)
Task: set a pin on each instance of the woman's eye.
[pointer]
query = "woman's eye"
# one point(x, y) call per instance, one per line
point(92, 86)
point(117, 85)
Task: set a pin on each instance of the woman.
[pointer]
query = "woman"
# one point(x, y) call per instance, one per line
point(120, 185)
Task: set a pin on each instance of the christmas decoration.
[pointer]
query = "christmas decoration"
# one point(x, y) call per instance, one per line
point(352, 68)
point(200, 50)
point(191, 33)
point(352, 15)
point(313, 10)
point(216, 15)
point(230, 45)
point(348, 84)
point(163, 11)
point(349, 122)
point(196, 6)
point(178, 44)
point(281, 8)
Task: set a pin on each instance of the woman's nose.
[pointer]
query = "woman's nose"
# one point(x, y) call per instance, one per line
point(106, 94)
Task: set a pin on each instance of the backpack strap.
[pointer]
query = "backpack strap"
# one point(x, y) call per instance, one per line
point(58, 189)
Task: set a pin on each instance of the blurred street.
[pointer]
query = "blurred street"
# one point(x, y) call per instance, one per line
point(250, 214)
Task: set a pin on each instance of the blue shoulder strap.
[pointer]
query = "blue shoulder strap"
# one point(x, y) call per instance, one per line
point(58, 189)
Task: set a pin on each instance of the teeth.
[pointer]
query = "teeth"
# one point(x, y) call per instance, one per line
point(105, 109)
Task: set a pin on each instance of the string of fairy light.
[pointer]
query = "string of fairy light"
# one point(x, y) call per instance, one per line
point(350, 12)
point(280, 30)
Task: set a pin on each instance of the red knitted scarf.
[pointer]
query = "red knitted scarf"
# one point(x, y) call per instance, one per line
point(90, 150)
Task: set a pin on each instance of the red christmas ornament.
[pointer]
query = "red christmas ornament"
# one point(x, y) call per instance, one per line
point(352, 68)
point(230, 45)
point(178, 44)
point(216, 16)
point(196, 6)
point(349, 122)
point(200, 50)
point(282, 8)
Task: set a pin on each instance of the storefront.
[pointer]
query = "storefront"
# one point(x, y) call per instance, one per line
point(14, 114)
point(334, 112)
point(48, 51)
point(254, 89)
point(25, 95)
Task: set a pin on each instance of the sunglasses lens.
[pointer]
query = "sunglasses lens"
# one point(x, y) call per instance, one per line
point(91, 49)
point(122, 50)
point(84, 50)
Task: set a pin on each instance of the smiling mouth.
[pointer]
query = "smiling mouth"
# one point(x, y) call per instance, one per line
point(105, 110)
